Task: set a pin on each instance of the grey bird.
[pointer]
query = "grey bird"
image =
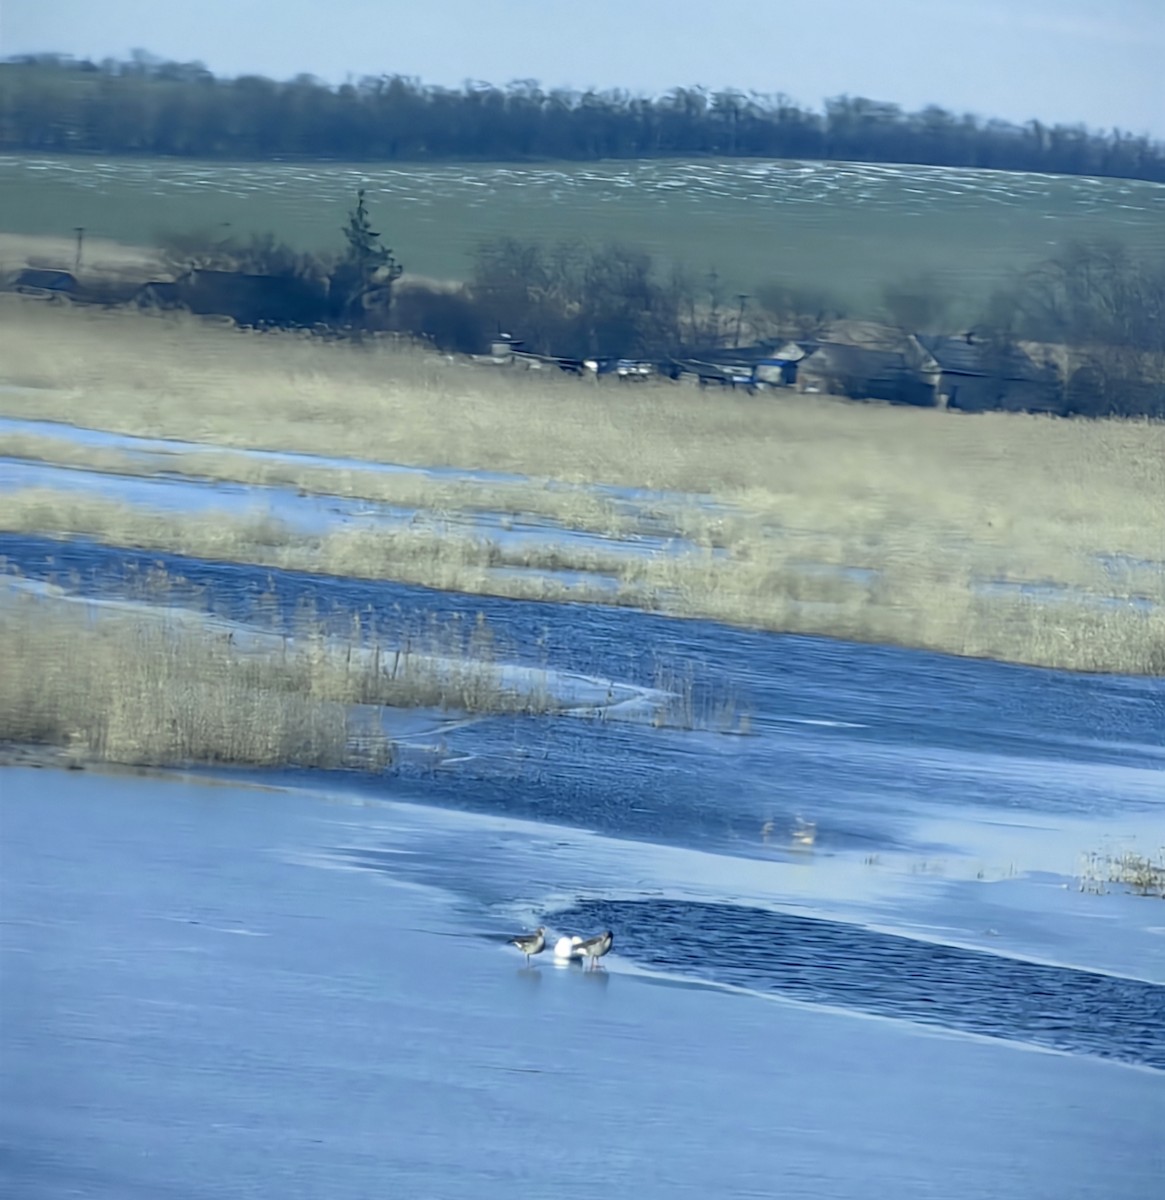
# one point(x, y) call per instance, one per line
point(530, 943)
point(594, 948)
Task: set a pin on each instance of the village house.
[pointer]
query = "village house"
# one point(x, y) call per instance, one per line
point(43, 281)
point(977, 376)
point(761, 366)
point(904, 375)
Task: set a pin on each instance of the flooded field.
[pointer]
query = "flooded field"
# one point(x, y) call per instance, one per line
point(887, 922)
point(860, 928)
point(847, 227)
point(804, 565)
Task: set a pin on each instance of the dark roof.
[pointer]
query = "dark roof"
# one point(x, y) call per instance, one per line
point(856, 361)
point(704, 369)
point(734, 356)
point(159, 293)
point(45, 279)
point(965, 356)
point(204, 277)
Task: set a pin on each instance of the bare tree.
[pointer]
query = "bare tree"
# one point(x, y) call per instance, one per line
point(1106, 311)
point(800, 313)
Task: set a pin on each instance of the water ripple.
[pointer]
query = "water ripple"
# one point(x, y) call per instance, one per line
point(831, 962)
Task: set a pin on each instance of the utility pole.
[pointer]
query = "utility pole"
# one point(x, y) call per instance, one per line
point(79, 230)
point(743, 298)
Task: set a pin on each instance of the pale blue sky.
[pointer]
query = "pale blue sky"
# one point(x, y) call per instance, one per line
point(1097, 61)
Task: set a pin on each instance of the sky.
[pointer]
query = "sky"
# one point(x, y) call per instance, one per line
point(1099, 62)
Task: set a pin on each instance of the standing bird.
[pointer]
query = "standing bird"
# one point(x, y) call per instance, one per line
point(530, 943)
point(594, 948)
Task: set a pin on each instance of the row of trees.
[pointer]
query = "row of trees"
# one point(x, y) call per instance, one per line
point(54, 104)
point(576, 300)
point(1093, 310)
point(569, 300)
point(1094, 305)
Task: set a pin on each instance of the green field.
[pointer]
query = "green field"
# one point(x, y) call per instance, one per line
point(845, 227)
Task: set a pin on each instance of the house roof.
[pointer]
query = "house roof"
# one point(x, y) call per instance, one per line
point(48, 279)
point(872, 335)
point(704, 369)
point(204, 276)
point(733, 356)
point(788, 352)
point(856, 361)
point(965, 356)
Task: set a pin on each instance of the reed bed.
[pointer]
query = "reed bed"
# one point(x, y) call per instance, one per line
point(766, 487)
point(1141, 874)
point(935, 606)
point(164, 686)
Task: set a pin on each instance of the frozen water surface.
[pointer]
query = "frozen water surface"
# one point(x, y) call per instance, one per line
point(200, 1000)
point(852, 958)
point(161, 453)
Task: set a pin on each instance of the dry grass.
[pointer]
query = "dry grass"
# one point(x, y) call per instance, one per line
point(1142, 874)
point(907, 608)
point(430, 557)
point(575, 507)
point(157, 686)
point(179, 378)
point(149, 691)
point(932, 501)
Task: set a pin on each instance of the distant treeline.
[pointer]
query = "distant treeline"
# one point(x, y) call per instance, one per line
point(55, 104)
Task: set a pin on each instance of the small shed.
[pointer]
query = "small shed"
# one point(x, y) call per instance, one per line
point(779, 367)
point(760, 366)
point(502, 347)
point(158, 294)
point(705, 373)
point(40, 281)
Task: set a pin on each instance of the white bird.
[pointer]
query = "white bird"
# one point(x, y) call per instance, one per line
point(567, 947)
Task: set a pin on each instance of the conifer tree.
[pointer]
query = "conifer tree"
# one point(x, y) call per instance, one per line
point(368, 264)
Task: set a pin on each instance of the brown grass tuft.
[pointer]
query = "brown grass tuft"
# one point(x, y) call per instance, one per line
point(165, 686)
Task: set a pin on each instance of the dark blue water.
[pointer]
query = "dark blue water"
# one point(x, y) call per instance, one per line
point(188, 986)
point(837, 963)
point(193, 1009)
point(967, 702)
point(849, 736)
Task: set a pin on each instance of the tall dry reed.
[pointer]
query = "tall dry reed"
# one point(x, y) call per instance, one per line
point(938, 505)
point(153, 685)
